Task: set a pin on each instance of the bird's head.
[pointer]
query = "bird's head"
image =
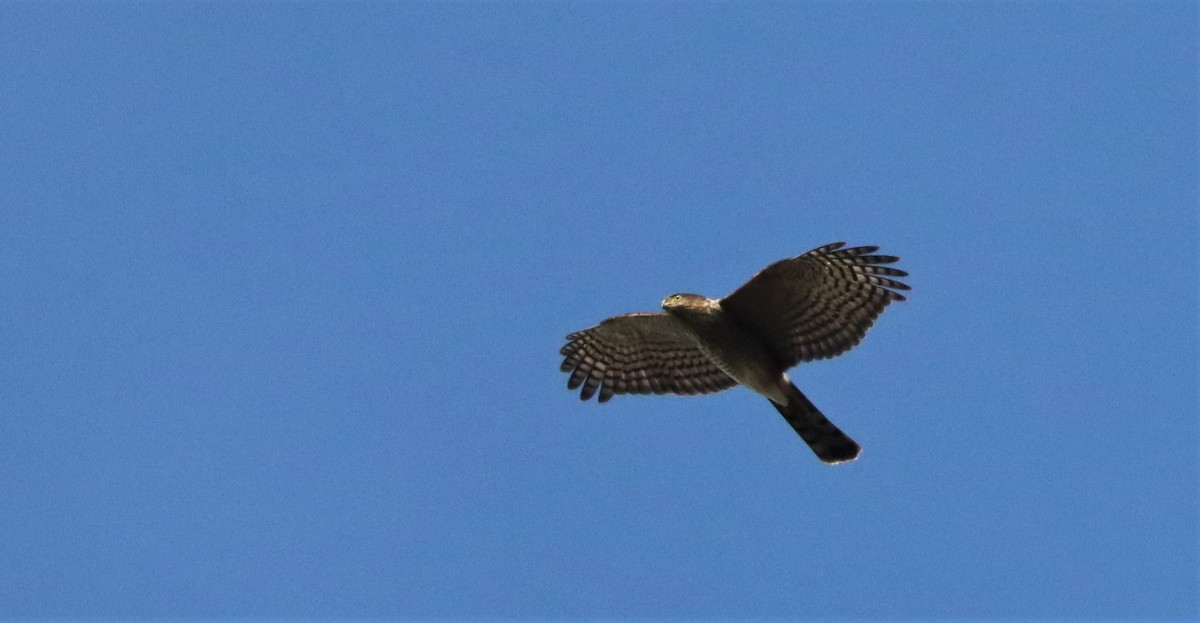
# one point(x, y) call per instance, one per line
point(687, 303)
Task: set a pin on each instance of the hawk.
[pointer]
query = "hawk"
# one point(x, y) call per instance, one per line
point(813, 306)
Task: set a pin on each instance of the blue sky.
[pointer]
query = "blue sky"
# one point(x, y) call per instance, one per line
point(284, 286)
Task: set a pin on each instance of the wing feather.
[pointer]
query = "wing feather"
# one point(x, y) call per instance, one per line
point(639, 354)
point(819, 304)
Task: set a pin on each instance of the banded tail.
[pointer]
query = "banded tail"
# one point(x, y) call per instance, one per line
point(827, 441)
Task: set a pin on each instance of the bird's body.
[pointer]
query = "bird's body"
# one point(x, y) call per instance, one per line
point(813, 306)
point(735, 350)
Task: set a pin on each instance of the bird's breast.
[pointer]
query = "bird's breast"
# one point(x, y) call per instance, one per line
point(739, 353)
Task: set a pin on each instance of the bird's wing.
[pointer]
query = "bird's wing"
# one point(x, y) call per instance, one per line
point(645, 353)
point(819, 304)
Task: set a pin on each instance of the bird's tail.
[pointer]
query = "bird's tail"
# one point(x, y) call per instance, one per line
point(827, 441)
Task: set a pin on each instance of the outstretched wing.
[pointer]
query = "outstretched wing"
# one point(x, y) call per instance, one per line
point(639, 354)
point(819, 304)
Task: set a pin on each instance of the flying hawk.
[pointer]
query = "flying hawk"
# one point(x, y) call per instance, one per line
point(813, 306)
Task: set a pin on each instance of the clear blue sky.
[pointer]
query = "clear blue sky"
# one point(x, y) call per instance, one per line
point(284, 284)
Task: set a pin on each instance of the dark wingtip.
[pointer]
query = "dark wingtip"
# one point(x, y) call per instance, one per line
point(575, 381)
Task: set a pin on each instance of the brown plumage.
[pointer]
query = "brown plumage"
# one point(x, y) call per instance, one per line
point(814, 306)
